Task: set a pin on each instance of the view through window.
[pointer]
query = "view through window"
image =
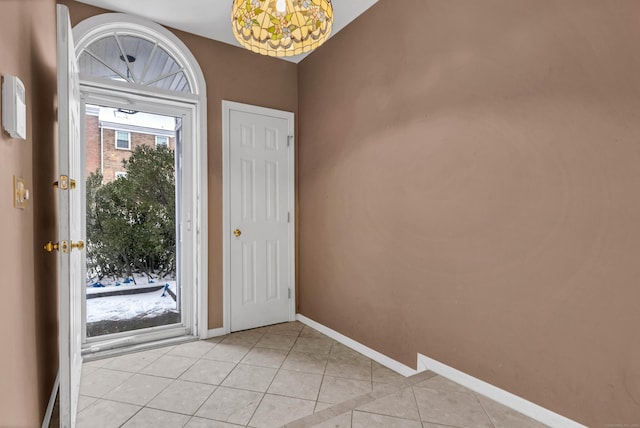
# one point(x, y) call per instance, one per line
point(132, 258)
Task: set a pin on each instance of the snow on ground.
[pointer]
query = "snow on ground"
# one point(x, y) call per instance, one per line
point(129, 306)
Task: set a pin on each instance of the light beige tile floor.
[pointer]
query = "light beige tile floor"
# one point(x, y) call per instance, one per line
point(287, 374)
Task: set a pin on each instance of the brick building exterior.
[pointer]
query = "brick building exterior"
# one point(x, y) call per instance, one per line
point(103, 125)
point(92, 135)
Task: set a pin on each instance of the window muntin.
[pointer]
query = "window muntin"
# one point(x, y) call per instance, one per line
point(133, 59)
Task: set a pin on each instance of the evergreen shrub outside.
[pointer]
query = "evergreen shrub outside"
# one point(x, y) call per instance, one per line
point(131, 221)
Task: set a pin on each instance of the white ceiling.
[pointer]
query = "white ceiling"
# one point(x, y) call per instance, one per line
point(212, 18)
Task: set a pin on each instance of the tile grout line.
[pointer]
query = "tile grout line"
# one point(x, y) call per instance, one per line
point(324, 375)
point(203, 383)
point(352, 404)
point(371, 364)
point(331, 412)
point(320, 387)
point(392, 416)
point(475, 395)
point(126, 371)
point(204, 401)
point(102, 396)
point(415, 400)
point(145, 406)
point(131, 417)
point(324, 371)
point(251, 345)
point(264, 393)
point(274, 377)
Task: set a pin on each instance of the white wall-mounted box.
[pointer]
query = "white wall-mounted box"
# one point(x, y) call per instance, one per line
point(14, 107)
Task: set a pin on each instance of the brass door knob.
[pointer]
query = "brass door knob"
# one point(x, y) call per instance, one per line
point(78, 245)
point(237, 233)
point(51, 247)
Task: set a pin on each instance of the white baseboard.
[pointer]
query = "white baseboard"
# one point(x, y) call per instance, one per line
point(532, 410)
point(376, 356)
point(539, 413)
point(52, 401)
point(216, 332)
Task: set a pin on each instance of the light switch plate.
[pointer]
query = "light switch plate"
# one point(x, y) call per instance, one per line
point(20, 193)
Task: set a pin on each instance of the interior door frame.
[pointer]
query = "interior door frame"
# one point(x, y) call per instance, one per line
point(186, 250)
point(193, 248)
point(227, 108)
point(95, 27)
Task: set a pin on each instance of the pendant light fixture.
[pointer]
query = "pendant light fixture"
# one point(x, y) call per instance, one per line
point(281, 27)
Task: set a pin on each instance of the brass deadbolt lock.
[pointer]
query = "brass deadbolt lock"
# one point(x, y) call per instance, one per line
point(50, 247)
point(63, 246)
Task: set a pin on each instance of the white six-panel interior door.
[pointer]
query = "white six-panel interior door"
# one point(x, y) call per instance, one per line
point(259, 227)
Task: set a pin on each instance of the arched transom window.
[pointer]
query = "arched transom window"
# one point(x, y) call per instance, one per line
point(133, 59)
point(121, 47)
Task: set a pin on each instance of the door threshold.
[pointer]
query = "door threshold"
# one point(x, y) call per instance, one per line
point(88, 355)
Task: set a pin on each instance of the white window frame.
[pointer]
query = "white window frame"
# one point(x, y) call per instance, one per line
point(105, 345)
point(119, 174)
point(115, 137)
point(196, 217)
point(166, 143)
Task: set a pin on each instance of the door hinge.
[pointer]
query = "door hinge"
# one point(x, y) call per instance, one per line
point(289, 138)
point(288, 217)
point(289, 293)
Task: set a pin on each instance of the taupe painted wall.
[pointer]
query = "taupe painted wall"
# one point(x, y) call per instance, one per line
point(231, 74)
point(28, 302)
point(470, 190)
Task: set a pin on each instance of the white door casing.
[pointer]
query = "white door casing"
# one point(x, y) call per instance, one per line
point(69, 221)
point(186, 248)
point(113, 91)
point(259, 185)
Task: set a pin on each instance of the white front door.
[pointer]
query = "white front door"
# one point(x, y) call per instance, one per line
point(70, 217)
point(260, 215)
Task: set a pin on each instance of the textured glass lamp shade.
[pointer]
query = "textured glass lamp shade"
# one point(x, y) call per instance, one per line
point(281, 27)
